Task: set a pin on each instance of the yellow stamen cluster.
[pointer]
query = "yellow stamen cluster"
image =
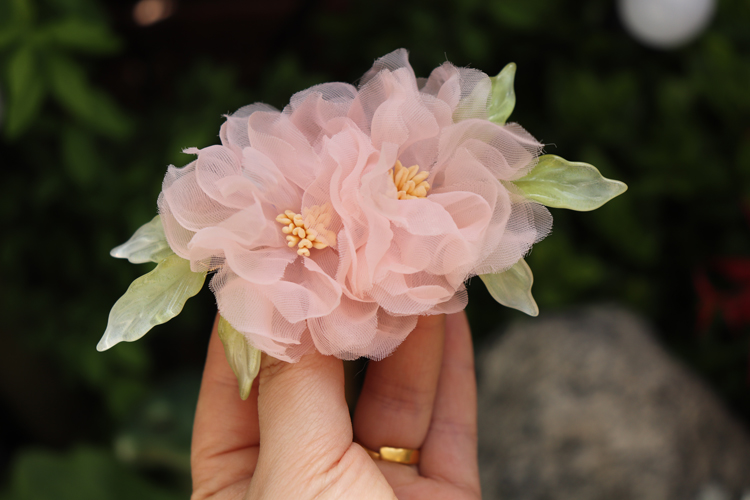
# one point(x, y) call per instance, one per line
point(305, 232)
point(409, 182)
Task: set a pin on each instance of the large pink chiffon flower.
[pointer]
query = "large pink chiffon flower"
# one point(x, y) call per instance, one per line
point(335, 223)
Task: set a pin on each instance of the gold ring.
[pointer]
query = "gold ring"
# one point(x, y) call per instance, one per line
point(405, 456)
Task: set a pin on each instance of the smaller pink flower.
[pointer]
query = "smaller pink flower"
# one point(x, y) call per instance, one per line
point(335, 223)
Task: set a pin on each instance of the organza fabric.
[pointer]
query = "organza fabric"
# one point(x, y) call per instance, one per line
point(330, 150)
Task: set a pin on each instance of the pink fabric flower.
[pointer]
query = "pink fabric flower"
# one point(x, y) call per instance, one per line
point(371, 249)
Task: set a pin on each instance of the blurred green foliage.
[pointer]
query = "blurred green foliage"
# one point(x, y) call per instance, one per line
point(41, 60)
point(81, 474)
point(86, 141)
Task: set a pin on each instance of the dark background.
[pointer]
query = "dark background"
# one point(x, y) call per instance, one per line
point(94, 107)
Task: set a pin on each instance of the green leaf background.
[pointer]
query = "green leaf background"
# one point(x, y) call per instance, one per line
point(25, 89)
point(82, 474)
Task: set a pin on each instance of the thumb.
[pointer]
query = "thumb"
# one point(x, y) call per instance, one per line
point(305, 428)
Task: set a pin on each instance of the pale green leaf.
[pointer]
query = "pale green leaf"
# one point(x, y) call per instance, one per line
point(148, 244)
point(512, 288)
point(503, 97)
point(151, 300)
point(558, 183)
point(242, 357)
point(25, 90)
point(82, 35)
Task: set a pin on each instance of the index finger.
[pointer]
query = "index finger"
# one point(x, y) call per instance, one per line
point(224, 450)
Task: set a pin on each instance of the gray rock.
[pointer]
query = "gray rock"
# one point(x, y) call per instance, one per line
point(587, 406)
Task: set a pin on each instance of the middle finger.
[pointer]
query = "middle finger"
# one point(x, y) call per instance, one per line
point(395, 406)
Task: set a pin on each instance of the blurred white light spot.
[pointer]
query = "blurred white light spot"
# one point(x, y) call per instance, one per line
point(148, 12)
point(665, 24)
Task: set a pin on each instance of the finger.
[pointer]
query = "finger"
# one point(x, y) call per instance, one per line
point(395, 406)
point(225, 431)
point(450, 450)
point(305, 430)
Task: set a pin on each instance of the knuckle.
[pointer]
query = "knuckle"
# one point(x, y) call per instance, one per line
point(401, 396)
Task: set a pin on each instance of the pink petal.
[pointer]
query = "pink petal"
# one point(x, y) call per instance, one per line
point(305, 291)
point(233, 132)
point(409, 294)
point(346, 332)
point(177, 236)
point(316, 111)
point(274, 135)
point(529, 223)
point(269, 181)
point(508, 152)
point(250, 312)
point(465, 90)
point(188, 203)
point(393, 61)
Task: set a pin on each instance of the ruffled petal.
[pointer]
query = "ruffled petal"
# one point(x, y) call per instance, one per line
point(347, 331)
point(321, 111)
point(216, 164)
point(529, 223)
point(398, 59)
point(508, 151)
point(271, 184)
point(188, 203)
point(408, 294)
point(274, 135)
point(392, 331)
point(304, 292)
point(401, 118)
point(465, 90)
point(261, 266)
point(233, 132)
point(177, 236)
point(252, 313)
point(455, 304)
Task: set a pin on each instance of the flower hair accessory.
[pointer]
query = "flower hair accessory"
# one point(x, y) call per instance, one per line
point(334, 223)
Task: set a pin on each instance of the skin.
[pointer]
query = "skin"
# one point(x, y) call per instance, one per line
point(423, 396)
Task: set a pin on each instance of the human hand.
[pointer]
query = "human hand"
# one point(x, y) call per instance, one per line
point(421, 397)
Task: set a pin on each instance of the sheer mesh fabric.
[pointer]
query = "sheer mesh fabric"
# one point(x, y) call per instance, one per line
point(327, 156)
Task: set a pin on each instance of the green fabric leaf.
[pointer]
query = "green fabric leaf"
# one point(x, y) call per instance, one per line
point(242, 357)
point(83, 36)
point(556, 182)
point(148, 244)
point(512, 288)
point(92, 106)
point(25, 90)
point(503, 96)
point(151, 300)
